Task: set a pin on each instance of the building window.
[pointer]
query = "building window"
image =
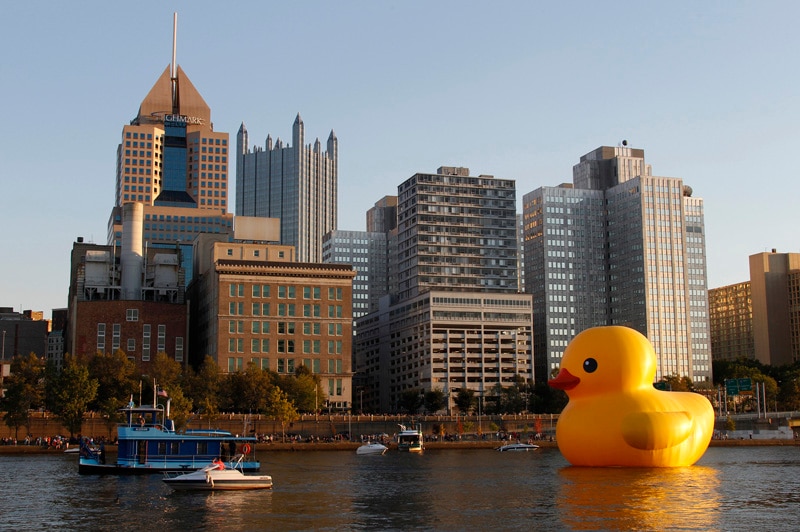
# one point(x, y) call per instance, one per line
point(132, 314)
point(101, 337)
point(179, 349)
point(145, 342)
point(131, 344)
point(115, 338)
point(162, 339)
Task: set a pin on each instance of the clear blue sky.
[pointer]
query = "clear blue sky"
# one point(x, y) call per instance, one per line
point(518, 90)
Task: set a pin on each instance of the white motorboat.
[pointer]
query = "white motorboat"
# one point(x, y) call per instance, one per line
point(372, 447)
point(518, 447)
point(410, 440)
point(216, 477)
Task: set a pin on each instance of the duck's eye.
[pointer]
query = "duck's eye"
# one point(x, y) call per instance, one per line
point(589, 365)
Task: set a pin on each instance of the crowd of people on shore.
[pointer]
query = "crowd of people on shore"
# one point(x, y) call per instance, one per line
point(56, 442)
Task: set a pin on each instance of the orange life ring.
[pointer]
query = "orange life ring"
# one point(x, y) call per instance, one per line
point(246, 448)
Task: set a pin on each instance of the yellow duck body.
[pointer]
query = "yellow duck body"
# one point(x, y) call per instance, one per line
point(615, 417)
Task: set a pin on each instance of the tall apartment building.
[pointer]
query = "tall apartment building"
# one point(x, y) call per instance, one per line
point(454, 319)
point(253, 303)
point(294, 183)
point(172, 161)
point(774, 281)
point(619, 247)
point(457, 232)
point(760, 318)
point(730, 312)
point(366, 253)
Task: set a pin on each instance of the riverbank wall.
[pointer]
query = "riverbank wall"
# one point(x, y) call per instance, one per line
point(332, 428)
point(263, 449)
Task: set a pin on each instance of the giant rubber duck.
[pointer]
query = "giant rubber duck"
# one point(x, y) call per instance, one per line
point(614, 416)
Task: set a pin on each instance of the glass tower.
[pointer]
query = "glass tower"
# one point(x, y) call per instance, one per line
point(619, 247)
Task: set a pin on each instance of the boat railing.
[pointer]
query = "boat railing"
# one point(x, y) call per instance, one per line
point(189, 461)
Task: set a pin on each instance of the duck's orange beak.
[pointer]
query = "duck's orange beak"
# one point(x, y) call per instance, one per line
point(564, 380)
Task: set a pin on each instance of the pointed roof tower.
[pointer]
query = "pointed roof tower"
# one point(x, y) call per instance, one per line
point(174, 93)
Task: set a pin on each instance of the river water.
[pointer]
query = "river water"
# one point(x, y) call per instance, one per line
point(741, 488)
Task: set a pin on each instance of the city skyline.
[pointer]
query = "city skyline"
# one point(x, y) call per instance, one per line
point(519, 94)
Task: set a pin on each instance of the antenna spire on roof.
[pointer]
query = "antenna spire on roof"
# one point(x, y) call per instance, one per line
point(174, 71)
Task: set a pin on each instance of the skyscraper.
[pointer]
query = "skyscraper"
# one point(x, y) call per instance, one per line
point(620, 247)
point(366, 252)
point(172, 161)
point(295, 183)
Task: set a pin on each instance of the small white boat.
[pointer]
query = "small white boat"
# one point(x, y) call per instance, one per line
point(372, 447)
point(518, 447)
point(216, 477)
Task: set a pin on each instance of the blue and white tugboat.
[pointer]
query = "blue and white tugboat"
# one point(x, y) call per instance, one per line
point(410, 439)
point(148, 443)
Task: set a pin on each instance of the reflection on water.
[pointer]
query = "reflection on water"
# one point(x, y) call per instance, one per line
point(729, 489)
point(639, 498)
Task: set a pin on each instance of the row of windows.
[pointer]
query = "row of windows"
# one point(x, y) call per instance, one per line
point(116, 339)
point(287, 365)
point(284, 327)
point(135, 135)
point(284, 292)
point(262, 345)
point(284, 309)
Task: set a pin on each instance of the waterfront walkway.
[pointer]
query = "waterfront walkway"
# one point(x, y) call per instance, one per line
point(433, 445)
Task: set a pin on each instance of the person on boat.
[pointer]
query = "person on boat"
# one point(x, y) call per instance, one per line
point(219, 463)
point(102, 452)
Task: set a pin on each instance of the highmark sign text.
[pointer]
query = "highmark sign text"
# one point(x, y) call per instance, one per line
point(182, 119)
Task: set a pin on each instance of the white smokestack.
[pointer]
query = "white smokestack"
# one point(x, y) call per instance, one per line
point(132, 261)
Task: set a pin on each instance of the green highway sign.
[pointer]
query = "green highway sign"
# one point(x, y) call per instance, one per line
point(736, 386)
